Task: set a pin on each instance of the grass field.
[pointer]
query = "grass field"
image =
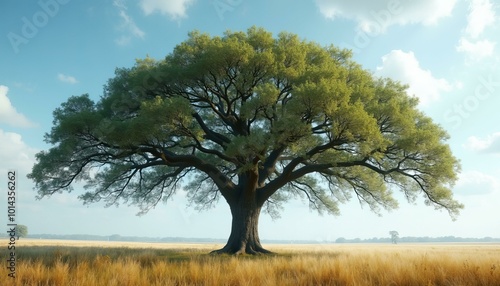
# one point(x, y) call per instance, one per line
point(47, 262)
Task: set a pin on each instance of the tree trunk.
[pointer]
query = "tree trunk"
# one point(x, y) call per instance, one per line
point(244, 237)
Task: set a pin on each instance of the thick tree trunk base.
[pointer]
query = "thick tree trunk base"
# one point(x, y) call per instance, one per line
point(245, 211)
point(252, 250)
point(244, 237)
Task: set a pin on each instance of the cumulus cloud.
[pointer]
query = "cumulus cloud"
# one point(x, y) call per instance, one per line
point(15, 153)
point(490, 144)
point(476, 183)
point(476, 50)
point(66, 78)
point(127, 25)
point(175, 9)
point(404, 66)
point(481, 15)
point(382, 14)
point(9, 114)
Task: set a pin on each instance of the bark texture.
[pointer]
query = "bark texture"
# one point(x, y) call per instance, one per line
point(244, 237)
point(245, 210)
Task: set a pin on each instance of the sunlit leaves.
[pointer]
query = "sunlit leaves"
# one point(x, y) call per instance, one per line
point(261, 104)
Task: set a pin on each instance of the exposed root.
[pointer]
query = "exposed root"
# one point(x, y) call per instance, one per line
point(243, 250)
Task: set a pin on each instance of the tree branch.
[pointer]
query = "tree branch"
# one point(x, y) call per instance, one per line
point(210, 134)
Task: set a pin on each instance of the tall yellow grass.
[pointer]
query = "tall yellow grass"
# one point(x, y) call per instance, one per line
point(172, 264)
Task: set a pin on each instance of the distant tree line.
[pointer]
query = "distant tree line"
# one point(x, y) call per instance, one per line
point(117, 237)
point(421, 239)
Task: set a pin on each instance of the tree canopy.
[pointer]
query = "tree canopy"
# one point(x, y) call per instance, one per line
point(249, 117)
point(394, 236)
point(21, 230)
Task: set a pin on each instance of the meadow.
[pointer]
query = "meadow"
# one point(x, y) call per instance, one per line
point(46, 262)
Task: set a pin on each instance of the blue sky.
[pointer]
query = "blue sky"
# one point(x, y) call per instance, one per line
point(446, 51)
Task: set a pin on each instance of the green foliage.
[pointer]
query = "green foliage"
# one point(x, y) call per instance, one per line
point(394, 236)
point(289, 116)
point(21, 230)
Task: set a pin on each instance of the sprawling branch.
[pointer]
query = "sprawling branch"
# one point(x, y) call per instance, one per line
point(249, 115)
point(211, 134)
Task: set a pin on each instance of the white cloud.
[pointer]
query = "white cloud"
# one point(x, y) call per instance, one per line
point(490, 144)
point(372, 15)
point(130, 25)
point(14, 153)
point(176, 9)
point(476, 50)
point(481, 15)
point(405, 67)
point(127, 25)
point(66, 78)
point(9, 114)
point(476, 183)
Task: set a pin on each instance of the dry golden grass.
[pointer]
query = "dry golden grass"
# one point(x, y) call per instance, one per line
point(96, 263)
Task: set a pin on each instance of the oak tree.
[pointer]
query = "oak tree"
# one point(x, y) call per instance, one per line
point(21, 230)
point(254, 119)
point(394, 236)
